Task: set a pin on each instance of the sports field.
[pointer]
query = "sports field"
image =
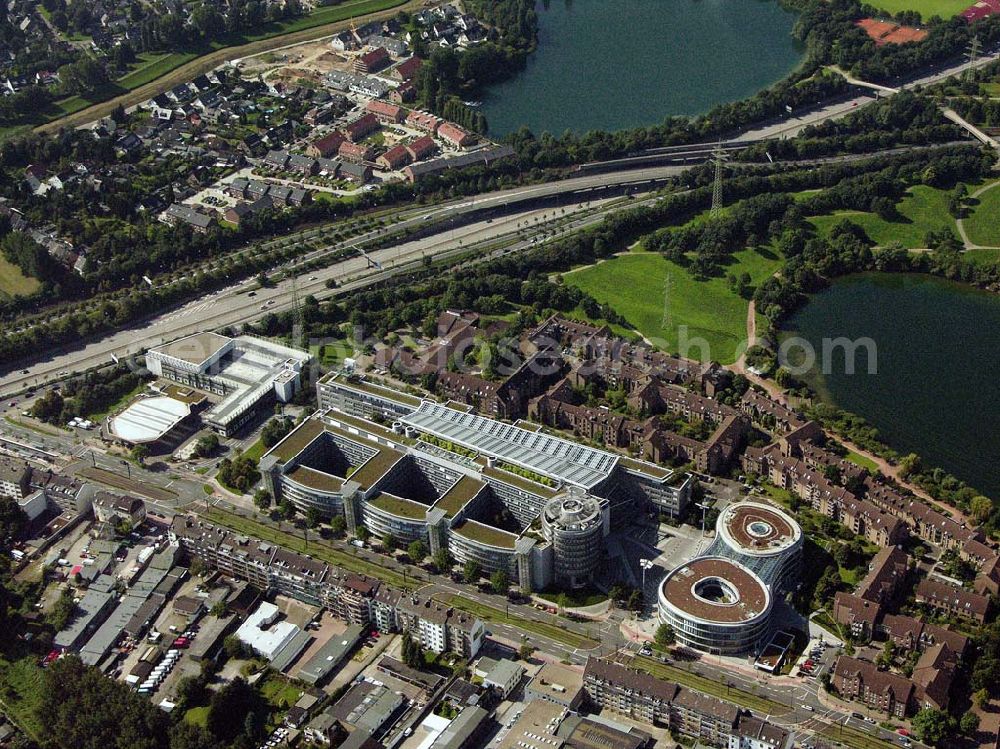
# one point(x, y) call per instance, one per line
point(923, 209)
point(668, 306)
point(13, 282)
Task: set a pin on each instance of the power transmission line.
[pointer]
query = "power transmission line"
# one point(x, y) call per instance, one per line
point(972, 53)
point(719, 158)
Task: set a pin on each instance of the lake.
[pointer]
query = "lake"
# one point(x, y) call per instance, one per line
point(615, 64)
point(936, 391)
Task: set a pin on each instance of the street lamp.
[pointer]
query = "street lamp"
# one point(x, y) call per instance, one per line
point(704, 509)
point(645, 564)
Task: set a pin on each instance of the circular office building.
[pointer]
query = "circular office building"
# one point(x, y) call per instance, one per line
point(716, 605)
point(763, 539)
point(575, 526)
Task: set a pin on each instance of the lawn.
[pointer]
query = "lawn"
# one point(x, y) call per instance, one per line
point(923, 209)
point(279, 693)
point(983, 223)
point(255, 451)
point(13, 282)
point(861, 460)
point(544, 629)
point(926, 8)
point(314, 547)
point(649, 290)
point(152, 66)
point(197, 716)
point(576, 599)
point(21, 681)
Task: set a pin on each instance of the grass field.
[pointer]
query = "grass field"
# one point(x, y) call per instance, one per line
point(635, 285)
point(22, 681)
point(315, 548)
point(708, 686)
point(926, 8)
point(982, 225)
point(255, 451)
point(152, 66)
point(279, 693)
point(861, 460)
point(197, 716)
point(925, 208)
point(491, 614)
point(13, 282)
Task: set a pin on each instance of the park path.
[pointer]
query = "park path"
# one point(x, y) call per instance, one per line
point(960, 222)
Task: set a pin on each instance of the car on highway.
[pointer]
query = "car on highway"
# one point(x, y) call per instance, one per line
point(808, 708)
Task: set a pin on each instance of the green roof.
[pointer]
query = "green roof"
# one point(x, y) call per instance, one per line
point(376, 466)
point(405, 508)
point(314, 479)
point(456, 498)
point(370, 387)
point(519, 481)
point(643, 467)
point(485, 534)
point(369, 426)
point(297, 440)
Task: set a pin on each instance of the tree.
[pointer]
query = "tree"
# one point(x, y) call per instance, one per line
point(471, 571)
point(500, 581)
point(362, 534)
point(909, 464)
point(525, 651)
point(229, 708)
point(206, 445)
point(933, 726)
point(262, 499)
point(969, 724)
point(416, 551)
point(312, 517)
point(233, 646)
point(13, 519)
point(980, 508)
point(442, 560)
point(388, 543)
point(635, 600)
point(413, 654)
point(981, 697)
point(274, 431)
point(139, 453)
point(665, 636)
point(338, 525)
point(83, 76)
point(884, 659)
point(49, 407)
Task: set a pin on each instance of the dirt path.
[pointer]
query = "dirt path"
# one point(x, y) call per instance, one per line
point(212, 60)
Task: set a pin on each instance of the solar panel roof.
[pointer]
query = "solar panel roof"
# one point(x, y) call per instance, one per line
point(550, 456)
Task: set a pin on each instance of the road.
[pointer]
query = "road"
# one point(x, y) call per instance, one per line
point(234, 305)
point(495, 216)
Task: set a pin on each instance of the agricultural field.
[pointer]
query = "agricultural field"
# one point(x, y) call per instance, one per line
point(923, 209)
point(649, 290)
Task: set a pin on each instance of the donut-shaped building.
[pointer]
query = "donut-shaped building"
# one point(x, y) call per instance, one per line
point(763, 539)
point(716, 605)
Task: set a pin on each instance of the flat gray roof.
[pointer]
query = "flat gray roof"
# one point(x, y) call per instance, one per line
point(544, 454)
point(330, 655)
point(195, 348)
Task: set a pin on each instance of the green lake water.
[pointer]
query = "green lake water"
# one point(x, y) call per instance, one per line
point(615, 64)
point(936, 391)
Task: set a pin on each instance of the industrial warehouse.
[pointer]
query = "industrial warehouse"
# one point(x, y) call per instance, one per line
point(442, 475)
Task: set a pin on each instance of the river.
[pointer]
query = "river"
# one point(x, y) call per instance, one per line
point(615, 64)
point(935, 391)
